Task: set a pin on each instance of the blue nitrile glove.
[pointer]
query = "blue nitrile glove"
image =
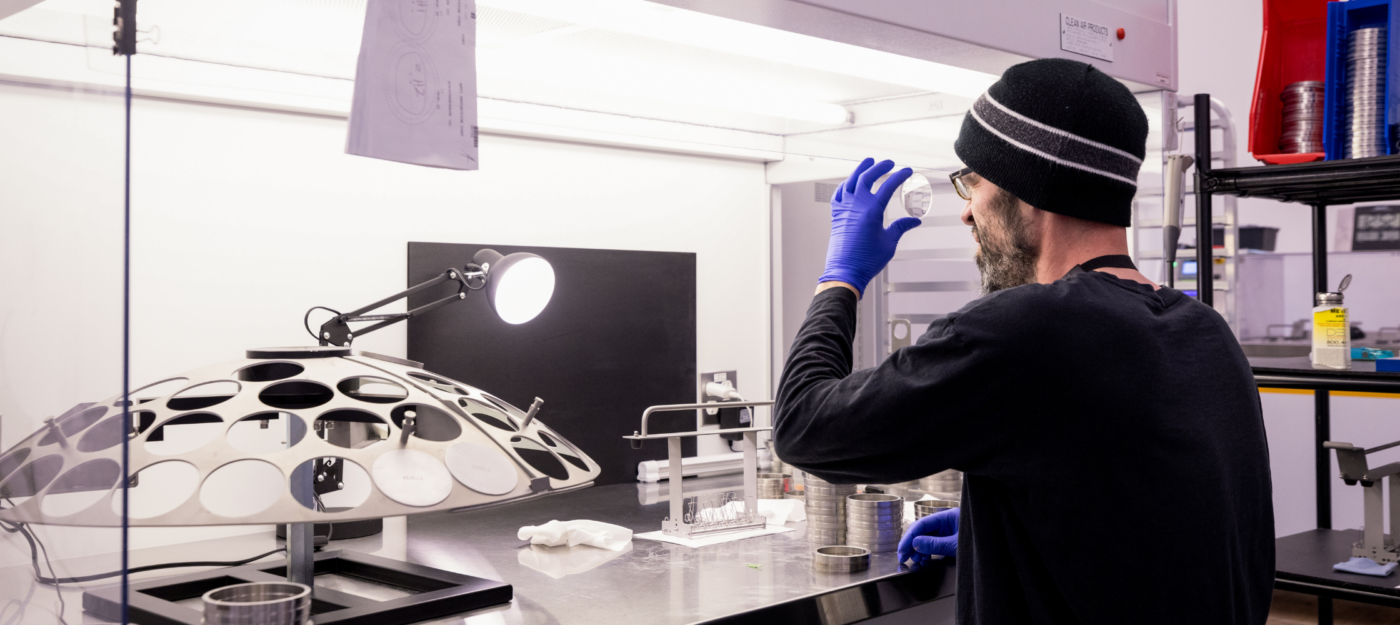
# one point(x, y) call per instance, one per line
point(933, 535)
point(860, 244)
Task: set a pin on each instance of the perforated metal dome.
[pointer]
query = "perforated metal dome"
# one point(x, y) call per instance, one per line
point(209, 447)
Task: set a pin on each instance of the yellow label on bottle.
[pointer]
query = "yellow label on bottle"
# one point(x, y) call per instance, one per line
point(1330, 325)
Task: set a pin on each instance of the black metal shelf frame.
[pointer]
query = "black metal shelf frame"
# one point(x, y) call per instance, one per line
point(1319, 185)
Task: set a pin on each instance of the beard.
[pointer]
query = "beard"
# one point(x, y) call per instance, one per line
point(1007, 256)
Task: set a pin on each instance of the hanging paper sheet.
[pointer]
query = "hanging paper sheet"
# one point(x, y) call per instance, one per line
point(415, 85)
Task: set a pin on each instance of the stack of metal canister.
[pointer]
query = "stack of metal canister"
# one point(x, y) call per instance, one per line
point(874, 521)
point(1302, 118)
point(772, 485)
point(944, 484)
point(933, 506)
point(826, 510)
point(1364, 133)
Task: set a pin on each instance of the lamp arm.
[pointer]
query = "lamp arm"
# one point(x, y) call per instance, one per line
point(337, 331)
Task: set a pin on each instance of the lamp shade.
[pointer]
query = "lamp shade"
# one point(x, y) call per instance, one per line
point(243, 442)
point(518, 286)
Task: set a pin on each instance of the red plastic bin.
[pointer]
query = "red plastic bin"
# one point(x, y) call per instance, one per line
point(1293, 48)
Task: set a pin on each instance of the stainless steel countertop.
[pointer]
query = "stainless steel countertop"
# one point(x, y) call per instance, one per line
point(649, 582)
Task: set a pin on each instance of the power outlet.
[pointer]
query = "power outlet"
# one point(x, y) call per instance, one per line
point(710, 416)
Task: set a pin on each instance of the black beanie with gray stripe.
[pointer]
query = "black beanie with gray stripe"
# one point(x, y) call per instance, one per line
point(1061, 136)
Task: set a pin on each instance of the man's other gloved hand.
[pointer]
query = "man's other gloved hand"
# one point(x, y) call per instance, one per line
point(860, 244)
point(933, 535)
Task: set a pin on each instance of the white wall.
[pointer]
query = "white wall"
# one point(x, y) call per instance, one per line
point(1219, 43)
point(243, 219)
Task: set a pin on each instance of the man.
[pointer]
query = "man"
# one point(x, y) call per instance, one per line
point(1109, 430)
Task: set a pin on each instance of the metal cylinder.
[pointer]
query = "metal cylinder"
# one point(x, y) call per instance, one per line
point(874, 521)
point(258, 603)
point(943, 484)
point(925, 508)
point(1363, 130)
point(826, 510)
point(772, 485)
point(841, 559)
point(1302, 117)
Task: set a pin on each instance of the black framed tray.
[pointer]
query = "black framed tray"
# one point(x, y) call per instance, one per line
point(431, 593)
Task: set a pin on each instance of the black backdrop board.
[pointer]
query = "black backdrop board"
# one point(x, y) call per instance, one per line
point(617, 337)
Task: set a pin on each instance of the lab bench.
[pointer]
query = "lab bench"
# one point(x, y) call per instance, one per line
point(768, 579)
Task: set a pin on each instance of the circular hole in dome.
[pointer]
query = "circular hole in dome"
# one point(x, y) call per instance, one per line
point(241, 489)
point(158, 489)
point(412, 477)
point(107, 434)
point(201, 396)
point(184, 433)
point(430, 423)
point(80, 488)
point(574, 460)
point(351, 428)
point(539, 457)
point(441, 384)
point(565, 450)
point(488, 416)
point(270, 371)
point(349, 484)
point(12, 460)
point(152, 392)
point(296, 395)
point(266, 432)
point(31, 478)
point(73, 423)
point(373, 390)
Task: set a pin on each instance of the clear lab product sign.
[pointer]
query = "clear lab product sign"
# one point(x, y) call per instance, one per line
point(415, 84)
point(1082, 36)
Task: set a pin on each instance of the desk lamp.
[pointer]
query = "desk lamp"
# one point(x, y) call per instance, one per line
point(359, 436)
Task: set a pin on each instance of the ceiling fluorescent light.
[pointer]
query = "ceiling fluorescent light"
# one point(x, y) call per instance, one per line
point(646, 19)
point(508, 63)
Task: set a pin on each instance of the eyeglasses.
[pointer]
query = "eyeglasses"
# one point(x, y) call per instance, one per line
point(961, 187)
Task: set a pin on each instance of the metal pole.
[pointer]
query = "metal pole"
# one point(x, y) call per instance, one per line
point(1322, 405)
point(301, 537)
point(1322, 408)
point(301, 557)
point(1205, 231)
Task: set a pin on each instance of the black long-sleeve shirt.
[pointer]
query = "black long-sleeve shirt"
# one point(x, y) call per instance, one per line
point(1111, 437)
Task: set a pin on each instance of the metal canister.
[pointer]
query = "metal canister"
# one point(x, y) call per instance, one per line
point(258, 603)
point(874, 521)
point(1302, 117)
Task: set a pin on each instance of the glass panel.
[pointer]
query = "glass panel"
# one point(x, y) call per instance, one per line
point(61, 343)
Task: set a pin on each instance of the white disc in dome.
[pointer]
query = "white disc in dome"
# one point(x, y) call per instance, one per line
point(482, 469)
point(412, 478)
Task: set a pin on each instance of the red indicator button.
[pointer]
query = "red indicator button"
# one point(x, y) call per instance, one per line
point(1121, 34)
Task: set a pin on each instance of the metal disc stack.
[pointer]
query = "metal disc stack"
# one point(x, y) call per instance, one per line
point(772, 485)
point(933, 506)
point(874, 521)
point(826, 510)
point(1364, 133)
point(1302, 118)
point(944, 484)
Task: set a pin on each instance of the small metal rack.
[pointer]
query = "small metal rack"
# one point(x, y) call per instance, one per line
point(700, 516)
point(1374, 544)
